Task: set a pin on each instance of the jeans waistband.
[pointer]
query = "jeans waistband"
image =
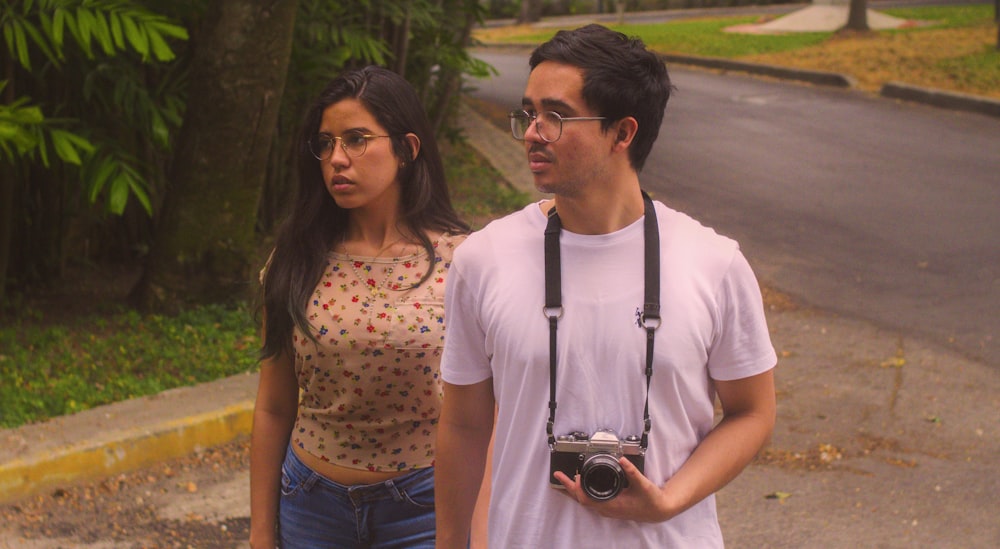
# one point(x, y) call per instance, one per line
point(359, 492)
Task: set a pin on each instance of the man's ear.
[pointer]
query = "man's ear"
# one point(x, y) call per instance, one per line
point(625, 131)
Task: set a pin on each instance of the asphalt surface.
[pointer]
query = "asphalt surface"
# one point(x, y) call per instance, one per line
point(883, 439)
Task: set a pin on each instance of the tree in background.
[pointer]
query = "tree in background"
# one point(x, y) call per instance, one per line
point(87, 106)
point(206, 191)
point(204, 249)
point(423, 40)
point(204, 240)
point(857, 16)
point(531, 11)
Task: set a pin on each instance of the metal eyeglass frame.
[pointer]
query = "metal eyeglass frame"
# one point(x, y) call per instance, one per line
point(518, 116)
point(365, 137)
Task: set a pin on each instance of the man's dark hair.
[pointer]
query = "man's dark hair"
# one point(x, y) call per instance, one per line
point(620, 78)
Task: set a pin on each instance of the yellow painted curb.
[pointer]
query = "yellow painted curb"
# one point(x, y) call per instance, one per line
point(130, 450)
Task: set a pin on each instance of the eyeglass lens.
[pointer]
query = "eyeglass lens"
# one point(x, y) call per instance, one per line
point(354, 144)
point(548, 124)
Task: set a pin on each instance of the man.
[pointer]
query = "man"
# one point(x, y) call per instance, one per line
point(592, 108)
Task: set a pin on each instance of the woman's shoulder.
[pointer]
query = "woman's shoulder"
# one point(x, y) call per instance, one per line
point(445, 243)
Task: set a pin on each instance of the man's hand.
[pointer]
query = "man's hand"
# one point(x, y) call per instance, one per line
point(642, 501)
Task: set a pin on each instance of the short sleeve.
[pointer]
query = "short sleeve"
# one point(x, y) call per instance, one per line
point(742, 344)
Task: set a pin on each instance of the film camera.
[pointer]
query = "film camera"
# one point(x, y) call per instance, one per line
point(595, 459)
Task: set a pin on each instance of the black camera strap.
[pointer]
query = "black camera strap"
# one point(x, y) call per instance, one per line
point(650, 318)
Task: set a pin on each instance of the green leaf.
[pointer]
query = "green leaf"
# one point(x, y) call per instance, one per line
point(21, 47)
point(85, 27)
point(108, 167)
point(116, 30)
point(139, 192)
point(118, 193)
point(102, 32)
point(43, 43)
point(8, 37)
point(161, 50)
point(169, 29)
point(136, 36)
point(161, 133)
point(69, 145)
point(100, 177)
point(58, 27)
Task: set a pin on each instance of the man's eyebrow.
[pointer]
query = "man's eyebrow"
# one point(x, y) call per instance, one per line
point(549, 104)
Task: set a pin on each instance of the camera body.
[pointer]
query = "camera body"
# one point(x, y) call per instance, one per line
point(595, 459)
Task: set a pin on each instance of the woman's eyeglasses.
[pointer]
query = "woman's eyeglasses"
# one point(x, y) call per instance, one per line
point(354, 144)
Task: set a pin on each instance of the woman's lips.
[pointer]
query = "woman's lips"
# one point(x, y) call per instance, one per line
point(340, 183)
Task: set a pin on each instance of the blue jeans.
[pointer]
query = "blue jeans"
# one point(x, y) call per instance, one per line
point(316, 512)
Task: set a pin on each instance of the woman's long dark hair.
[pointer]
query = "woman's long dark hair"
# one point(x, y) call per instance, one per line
point(316, 223)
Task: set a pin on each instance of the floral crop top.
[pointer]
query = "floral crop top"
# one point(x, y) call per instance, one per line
point(371, 389)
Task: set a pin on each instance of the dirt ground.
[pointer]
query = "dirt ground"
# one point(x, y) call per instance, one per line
point(170, 505)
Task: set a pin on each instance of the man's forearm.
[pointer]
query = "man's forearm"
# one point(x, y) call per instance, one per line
point(745, 428)
point(460, 459)
point(459, 466)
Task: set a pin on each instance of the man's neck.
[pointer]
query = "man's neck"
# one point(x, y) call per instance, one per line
point(597, 212)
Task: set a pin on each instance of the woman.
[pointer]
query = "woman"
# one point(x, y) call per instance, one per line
point(354, 319)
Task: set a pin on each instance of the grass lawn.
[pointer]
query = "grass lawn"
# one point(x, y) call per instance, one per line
point(955, 50)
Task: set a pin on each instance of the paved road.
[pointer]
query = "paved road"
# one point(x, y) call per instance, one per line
point(859, 205)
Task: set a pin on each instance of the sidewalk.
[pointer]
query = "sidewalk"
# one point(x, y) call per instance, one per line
point(881, 440)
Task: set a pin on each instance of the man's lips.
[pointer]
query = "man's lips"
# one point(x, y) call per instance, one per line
point(538, 161)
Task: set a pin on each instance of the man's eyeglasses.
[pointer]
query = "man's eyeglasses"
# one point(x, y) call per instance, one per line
point(548, 124)
point(353, 143)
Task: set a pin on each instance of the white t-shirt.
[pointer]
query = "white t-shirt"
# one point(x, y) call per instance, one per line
point(713, 326)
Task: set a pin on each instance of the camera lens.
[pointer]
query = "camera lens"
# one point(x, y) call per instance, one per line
point(602, 477)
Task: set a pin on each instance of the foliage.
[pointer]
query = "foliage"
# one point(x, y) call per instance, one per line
point(478, 191)
point(90, 98)
point(48, 370)
point(24, 131)
point(423, 40)
point(110, 28)
point(50, 366)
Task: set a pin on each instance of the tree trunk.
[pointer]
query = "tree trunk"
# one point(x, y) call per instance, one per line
point(857, 16)
point(203, 245)
point(6, 225)
point(531, 11)
point(6, 190)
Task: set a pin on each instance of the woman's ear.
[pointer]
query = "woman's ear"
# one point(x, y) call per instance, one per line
point(414, 142)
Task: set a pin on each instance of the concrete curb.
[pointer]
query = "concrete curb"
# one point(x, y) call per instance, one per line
point(943, 99)
point(820, 78)
point(124, 436)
